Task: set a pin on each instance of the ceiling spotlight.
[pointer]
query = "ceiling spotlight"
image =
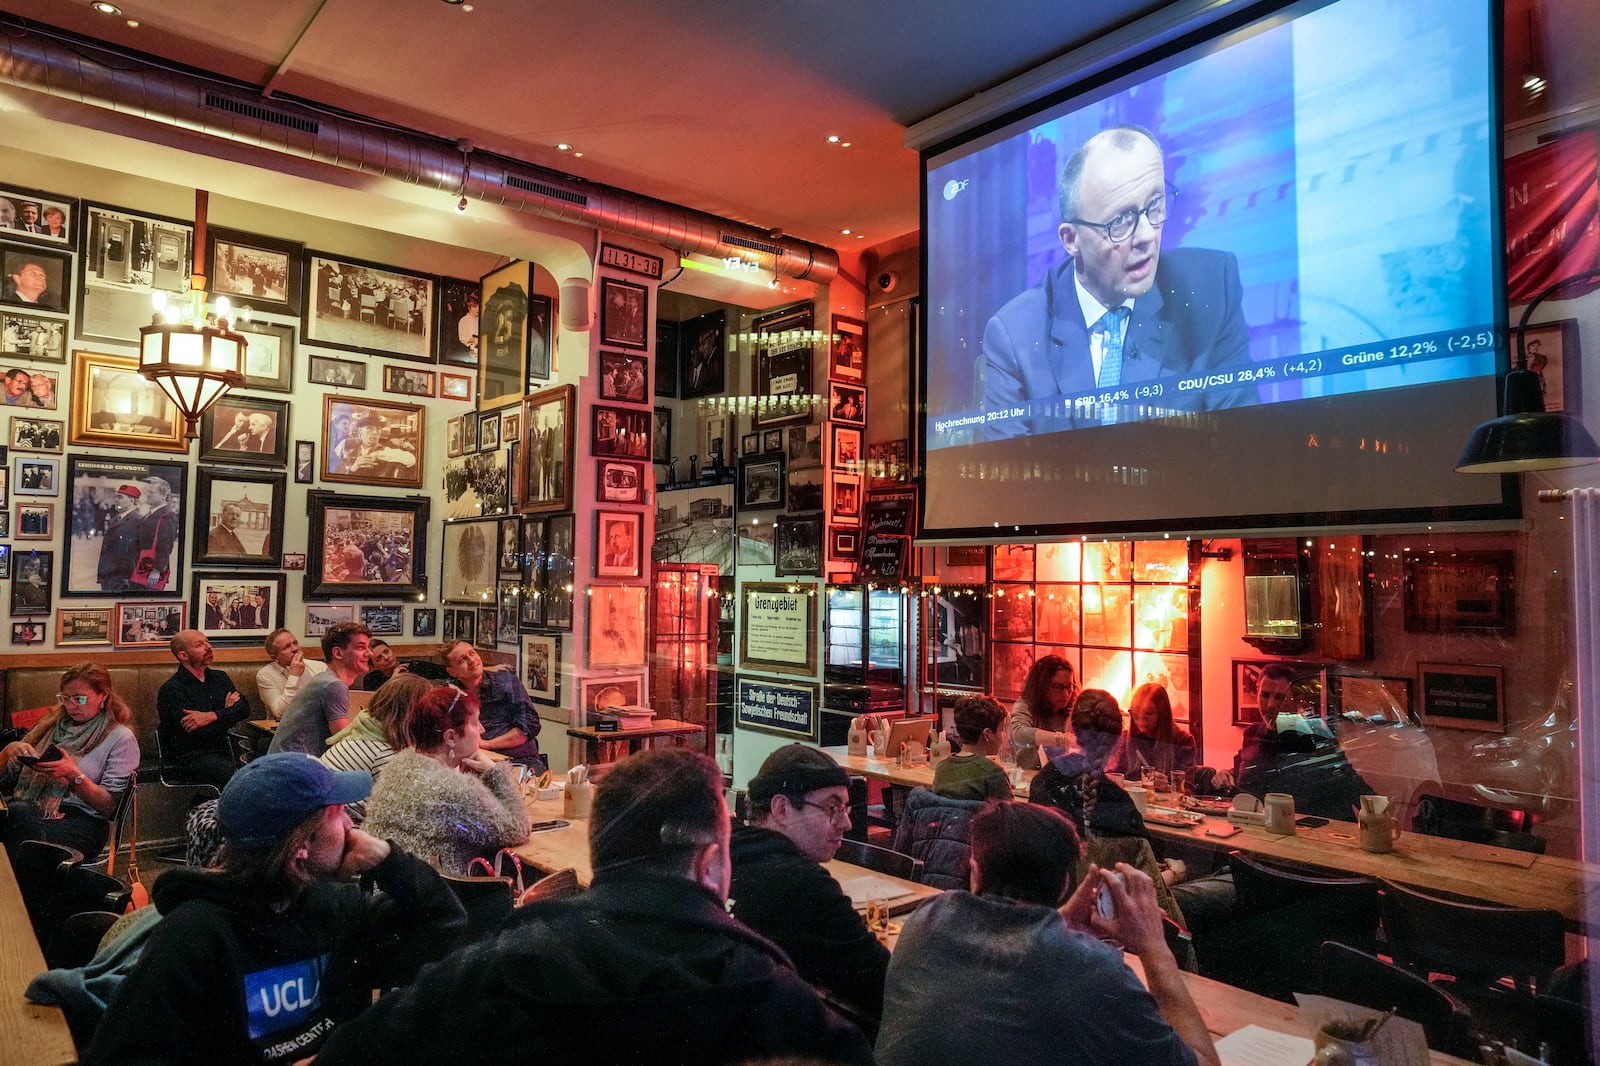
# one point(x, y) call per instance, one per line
point(833, 138)
point(563, 146)
point(453, 3)
point(461, 206)
point(845, 232)
point(105, 8)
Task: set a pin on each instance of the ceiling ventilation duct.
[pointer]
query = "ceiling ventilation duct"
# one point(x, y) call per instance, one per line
point(89, 72)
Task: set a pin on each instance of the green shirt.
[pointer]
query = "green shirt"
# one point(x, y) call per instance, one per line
point(970, 777)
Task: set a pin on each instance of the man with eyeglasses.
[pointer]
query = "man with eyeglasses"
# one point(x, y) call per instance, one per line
point(799, 813)
point(1117, 312)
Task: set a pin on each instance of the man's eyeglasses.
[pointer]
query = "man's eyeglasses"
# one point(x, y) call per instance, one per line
point(1122, 226)
point(81, 701)
point(831, 810)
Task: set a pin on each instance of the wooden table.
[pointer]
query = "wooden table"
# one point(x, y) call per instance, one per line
point(30, 1035)
point(602, 748)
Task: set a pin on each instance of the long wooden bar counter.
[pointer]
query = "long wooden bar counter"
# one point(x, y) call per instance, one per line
point(30, 1035)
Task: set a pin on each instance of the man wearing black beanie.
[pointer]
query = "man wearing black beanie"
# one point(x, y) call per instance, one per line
point(799, 812)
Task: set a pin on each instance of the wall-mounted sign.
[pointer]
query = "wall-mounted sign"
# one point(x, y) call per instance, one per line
point(890, 521)
point(784, 709)
point(1466, 697)
point(633, 262)
point(779, 628)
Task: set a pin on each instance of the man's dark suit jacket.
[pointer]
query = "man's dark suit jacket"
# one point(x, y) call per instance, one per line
point(1036, 347)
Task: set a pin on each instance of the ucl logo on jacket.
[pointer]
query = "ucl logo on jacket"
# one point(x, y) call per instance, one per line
point(279, 998)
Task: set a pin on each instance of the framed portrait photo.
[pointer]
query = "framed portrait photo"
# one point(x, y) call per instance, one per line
point(467, 564)
point(33, 337)
point(36, 434)
point(560, 570)
point(703, 342)
point(457, 328)
point(617, 550)
point(452, 437)
point(234, 609)
point(425, 622)
point(305, 462)
point(661, 436)
point(238, 517)
point(847, 356)
point(367, 307)
point(624, 376)
point(487, 627)
point(750, 444)
point(616, 625)
point(846, 451)
point(149, 625)
point(489, 430)
point(620, 433)
point(127, 257)
point(336, 373)
point(844, 502)
point(373, 442)
point(33, 573)
point(113, 406)
point(504, 333)
point(455, 387)
point(540, 322)
point(541, 667)
point(83, 625)
point(36, 521)
point(1553, 353)
point(761, 483)
point(37, 476)
point(269, 355)
point(127, 521)
point(847, 404)
point(247, 430)
point(263, 273)
point(624, 312)
point(37, 216)
point(37, 279)
point(547, 448)
point(408, 382)
point(366, 547)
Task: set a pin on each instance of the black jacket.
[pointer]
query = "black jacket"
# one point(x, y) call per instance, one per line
point(794, 902)
point(226, 979)
point(1063, 784)
point(1312, 769)
point(645, 967)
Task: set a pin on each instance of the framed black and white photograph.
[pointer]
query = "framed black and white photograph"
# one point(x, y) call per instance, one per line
point(772, 440)
point(618, 481)
point(384, 619)
point(847, 404)
point(661, 436)
point(33, 337)
point(373, 442)
point(127, 258)
point(408, 382)
point(238, 517)
point(475, 485)
point(620, 433)
point(847, 357)
point(486, 627)
point(805, 445)
point(466, 624)
point(624, 313)
point(750, 444)
point(504, 332)
point(452, 437)
point(617, 551)
point(805, 489)
point(149, 625)
point(113, 406)
point(127, 521)
point(510, 550)
point(366, 547)
point(457, 330)
point(35, 215)
point(505, 625)
point(336, 373)
point(703, 342)
point(269, 355)
point(844, 501)
point(783, 367)
point(797, 546)
point(43, 387)
point(321, 617)
point(846, 450)
point(263, 273)
point(38, 279)
point(540, 338)
point(469, 432)
point(616, 619)
point(560, 570)
point(467, 564)
point(489, 430)
point(761, 483)
point(305, 462)
point(541, 667)
point(245, 429)
point(624, 376)
point(666, 375)
point(30, 584)
point(425, 622)
point(27, 632)
point(368, 308)
point(235, 609)
point(455, 387)
point(36, 434)
point(36, 476)
point(36, 521)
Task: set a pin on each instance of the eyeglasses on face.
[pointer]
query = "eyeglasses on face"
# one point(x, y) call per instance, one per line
point(1121, 227)
point(831, 811)
point(81, 701)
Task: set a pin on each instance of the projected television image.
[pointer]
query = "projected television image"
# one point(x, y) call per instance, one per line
point(1284, 240)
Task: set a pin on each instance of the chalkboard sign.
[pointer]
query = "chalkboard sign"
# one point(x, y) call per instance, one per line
point(884, 558)
point(892, 513)
point(1466, 697)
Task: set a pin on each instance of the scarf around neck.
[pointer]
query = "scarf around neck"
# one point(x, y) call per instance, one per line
point(76, 739)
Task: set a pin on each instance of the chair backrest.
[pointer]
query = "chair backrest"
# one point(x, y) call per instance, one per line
point(1472, 941)
point(1366, 980)
point(487, 901)
point(1262, 887)
point(880, 860)
point(120, 815)
point(78, 938)
point(559, 885)
point(41, 869)
point(91, 890)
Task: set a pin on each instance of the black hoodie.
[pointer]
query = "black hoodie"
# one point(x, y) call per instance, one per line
point(227, 978)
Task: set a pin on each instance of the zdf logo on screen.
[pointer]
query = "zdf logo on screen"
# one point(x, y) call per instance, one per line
point(954, 187)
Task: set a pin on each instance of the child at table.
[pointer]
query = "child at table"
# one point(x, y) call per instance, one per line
point(972, 774)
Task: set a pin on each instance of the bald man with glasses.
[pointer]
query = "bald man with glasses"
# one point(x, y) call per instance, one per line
point(1118, 312)
point(799, 813)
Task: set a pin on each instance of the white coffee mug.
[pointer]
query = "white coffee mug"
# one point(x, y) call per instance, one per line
point(1140, 796)
point(1280, 813)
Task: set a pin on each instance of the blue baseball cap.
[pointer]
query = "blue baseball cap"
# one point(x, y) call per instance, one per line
point(271, 795)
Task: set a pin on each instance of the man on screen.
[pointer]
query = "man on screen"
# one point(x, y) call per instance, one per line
point(1117, 312)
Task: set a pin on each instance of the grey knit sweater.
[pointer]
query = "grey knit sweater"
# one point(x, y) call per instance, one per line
point(446, 816)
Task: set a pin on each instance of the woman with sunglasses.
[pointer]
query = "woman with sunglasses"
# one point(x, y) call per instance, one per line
point(440, 797)
point(89, 757)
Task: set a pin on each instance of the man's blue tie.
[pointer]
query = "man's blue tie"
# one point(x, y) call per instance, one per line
point(1115, 325)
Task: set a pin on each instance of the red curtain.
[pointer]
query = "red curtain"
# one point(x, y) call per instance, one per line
point(1552, 214)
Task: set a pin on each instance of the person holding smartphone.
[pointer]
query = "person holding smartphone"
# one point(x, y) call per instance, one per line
point(65, 789)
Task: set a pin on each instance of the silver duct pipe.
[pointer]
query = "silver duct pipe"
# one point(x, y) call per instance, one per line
point(89, 72)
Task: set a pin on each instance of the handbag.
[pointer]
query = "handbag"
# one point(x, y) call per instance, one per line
point(144, 567)
point(141, 894)
point(497, 869)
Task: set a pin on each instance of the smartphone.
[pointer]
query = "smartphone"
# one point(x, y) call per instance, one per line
point(50, 754)
point(1310, 821)
point(554, 823)
point(1221, 831)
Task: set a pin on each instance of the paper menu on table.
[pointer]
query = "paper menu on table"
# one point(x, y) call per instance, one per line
point(863, 890)
point(1399, 1043)
point(1255, 1046)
